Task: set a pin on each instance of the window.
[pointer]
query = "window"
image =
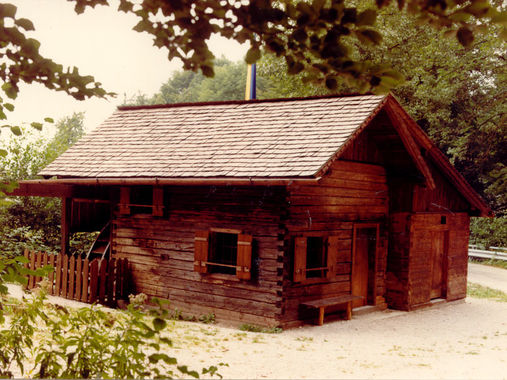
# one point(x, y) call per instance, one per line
point(141, 200)
point(316, 264)
point(223, 251)
point(315, 257)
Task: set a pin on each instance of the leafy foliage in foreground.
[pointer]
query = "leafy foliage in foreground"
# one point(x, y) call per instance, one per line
point(90, 342)
point(489, 232)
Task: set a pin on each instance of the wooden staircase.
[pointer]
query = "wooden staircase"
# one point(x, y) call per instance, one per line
point(101, 246)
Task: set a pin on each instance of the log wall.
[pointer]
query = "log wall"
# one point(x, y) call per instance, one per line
point(161, 251)
point(349, 193)
point(409, 265)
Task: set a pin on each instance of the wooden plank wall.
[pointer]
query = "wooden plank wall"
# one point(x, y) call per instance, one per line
point(349, 193)
point(161, 251)
point(409, 260)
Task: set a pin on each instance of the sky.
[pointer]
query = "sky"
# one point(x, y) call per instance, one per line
point(100, 43)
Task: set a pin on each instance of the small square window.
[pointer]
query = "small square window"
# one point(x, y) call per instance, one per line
point(443, 219)
point(141, 200)
point(223, 252)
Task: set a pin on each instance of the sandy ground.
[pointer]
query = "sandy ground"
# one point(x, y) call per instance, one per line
point(457, 340)
point(486, 275)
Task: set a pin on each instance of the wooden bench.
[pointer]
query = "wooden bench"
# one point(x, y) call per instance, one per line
point(322, 303)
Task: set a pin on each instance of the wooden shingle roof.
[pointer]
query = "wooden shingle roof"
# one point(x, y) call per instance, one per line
point(238, 139)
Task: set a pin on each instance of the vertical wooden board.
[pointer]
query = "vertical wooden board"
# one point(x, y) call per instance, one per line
point(201, 246)
point(51, 276)
point(79, 277)
point(332, 253)
point(31, 279)
point(125, 289)
point(58, 269)
point(84, 287)
point(65, 224)
point(244, 260)
point(158, 201)
point(38, 264)
point(437, 260)
point(72, 277)
point(359, 283)
point(94, 280)
point(118, 277)
point(110, 282)
point(299, 259)
point(65, 275)
point(102, 281)
point(124, 200)
point(26, 253)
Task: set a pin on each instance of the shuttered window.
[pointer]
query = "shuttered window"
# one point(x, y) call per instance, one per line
point(142, 200)
point(223, 252)
point(315, 257)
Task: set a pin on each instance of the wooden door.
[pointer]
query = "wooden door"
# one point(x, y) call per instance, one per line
point(363, 264)
point(438, 255)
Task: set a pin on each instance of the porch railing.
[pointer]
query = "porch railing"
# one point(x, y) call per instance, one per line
point(74, 278)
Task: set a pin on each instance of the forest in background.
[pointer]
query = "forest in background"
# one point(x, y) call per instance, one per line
point(457, 95)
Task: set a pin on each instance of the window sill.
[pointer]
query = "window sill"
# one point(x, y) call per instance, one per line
point(219, 277)
point(312, 281)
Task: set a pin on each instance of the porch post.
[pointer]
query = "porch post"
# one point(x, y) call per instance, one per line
point(65, 224)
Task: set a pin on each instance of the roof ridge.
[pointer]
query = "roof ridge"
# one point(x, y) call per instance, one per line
point(222, 102)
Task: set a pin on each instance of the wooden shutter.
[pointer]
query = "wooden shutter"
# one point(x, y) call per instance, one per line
point(158, 201)
point(124, 200)
point(332, 253)
point(300, 259)
point(244, 259)
point(201, 251)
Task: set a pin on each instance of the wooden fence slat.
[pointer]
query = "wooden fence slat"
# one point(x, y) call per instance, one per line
point(79, 276)
point(102, 281)
point(26, 265)
point(84, 286)
point(110, 282)
point(118, 276)
point(72, 277)
point(94, 279)
point(58, 269)
point(38, 264)
point(51, 276)
point(65, 275)
point(125, 281)
point(31, 278)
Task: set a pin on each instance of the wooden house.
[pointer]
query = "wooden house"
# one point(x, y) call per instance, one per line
point(253, 209)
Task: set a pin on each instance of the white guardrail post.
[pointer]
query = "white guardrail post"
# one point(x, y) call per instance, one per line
point(497, 253)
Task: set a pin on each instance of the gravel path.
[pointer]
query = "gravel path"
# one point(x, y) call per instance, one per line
point(489, 276)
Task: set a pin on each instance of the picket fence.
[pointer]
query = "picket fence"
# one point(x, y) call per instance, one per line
point(74, 278)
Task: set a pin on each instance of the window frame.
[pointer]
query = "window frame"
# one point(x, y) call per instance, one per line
point(203, 248)
point(330, 250)
point(156, 206)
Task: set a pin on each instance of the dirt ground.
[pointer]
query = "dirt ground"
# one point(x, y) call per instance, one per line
point(457, 340)
point(460, 340)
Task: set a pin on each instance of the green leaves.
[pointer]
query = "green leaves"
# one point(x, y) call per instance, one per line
point(16, 130)
point(253, 54)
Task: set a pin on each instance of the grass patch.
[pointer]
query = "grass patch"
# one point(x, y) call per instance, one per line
point(479, 291)
point(491, 262)
point(260, 329)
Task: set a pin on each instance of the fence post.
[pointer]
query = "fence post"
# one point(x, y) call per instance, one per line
point(52, 274)
point(94, 278)
point(84, 292)
point(31, 278)
point(72, 277)
point(79, 275)
point(65, 275)
point(102, 280)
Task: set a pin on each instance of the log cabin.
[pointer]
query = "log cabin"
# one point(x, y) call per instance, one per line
point(263, 211)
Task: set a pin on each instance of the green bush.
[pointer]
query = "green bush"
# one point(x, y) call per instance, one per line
point(90, 342)
point(489, 232)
